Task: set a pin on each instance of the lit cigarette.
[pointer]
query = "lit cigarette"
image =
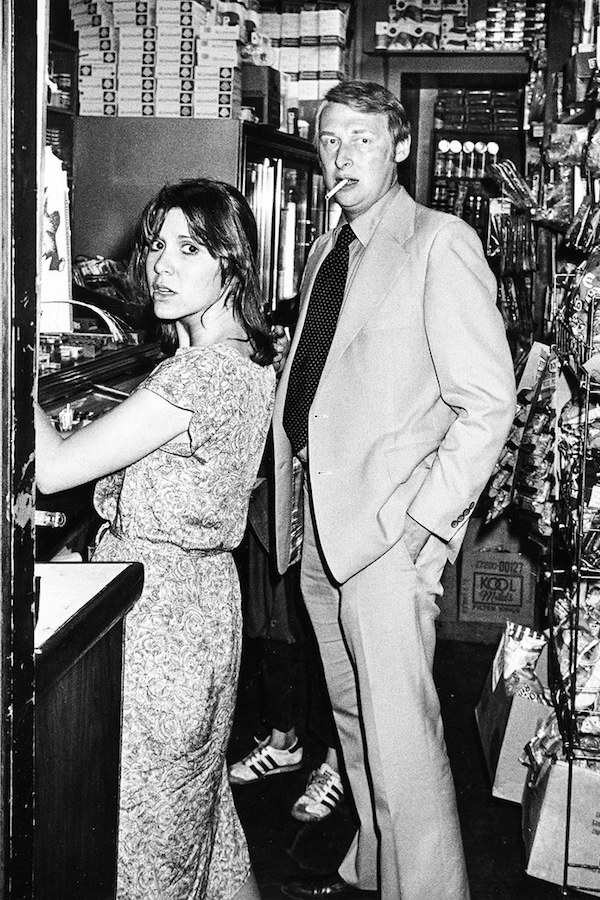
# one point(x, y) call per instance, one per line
point(337, 188)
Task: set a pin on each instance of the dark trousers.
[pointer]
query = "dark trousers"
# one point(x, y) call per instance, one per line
point(292, 688)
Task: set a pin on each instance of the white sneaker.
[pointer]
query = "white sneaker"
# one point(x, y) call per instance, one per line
point(265, 760)
point(323, 792)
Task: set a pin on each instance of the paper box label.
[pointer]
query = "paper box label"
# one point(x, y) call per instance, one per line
point(496, 586)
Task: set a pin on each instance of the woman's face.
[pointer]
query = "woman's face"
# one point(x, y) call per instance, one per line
point(184, 280)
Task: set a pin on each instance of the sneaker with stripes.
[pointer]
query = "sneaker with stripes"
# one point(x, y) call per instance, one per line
point(323, 793)
point(265, 760)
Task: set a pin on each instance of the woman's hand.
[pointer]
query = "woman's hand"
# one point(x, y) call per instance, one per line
point(281, 343)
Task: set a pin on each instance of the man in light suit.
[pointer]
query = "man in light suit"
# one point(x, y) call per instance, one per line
point(397, 432)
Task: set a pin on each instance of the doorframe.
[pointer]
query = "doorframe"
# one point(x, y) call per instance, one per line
point(19, 140)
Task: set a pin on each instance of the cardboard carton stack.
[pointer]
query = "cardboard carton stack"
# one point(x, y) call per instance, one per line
point(136, 88)
point(161, 57)
point(307, 43)
point(217, 80)
point(498, 581)
point(332, 42)
point(98, 54)
point(177, 23)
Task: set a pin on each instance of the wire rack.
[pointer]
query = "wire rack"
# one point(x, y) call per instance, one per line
point(575, 553)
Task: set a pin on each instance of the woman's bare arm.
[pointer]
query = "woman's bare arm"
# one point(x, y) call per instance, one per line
point(139, 425)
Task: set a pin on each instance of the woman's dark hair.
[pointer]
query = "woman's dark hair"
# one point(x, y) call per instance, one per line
point(369, 97)
point(219, 217)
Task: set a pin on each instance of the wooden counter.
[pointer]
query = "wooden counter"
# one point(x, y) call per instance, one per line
point(78, 666)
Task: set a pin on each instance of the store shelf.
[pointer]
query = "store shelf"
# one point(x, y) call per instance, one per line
point(441, 62)
point(68, 46)
point(60, 110)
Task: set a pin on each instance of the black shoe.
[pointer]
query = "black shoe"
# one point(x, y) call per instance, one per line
point(324, 886)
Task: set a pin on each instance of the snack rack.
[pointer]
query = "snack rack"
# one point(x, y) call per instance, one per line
point(575, 563)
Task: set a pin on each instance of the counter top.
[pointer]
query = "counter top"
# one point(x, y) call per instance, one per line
point(65, 588)
point(78, 604)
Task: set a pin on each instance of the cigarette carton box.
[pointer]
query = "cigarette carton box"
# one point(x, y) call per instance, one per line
point(497, 585)
point(498, 581)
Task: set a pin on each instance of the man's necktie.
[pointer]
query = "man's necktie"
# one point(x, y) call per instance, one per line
point(317, 334)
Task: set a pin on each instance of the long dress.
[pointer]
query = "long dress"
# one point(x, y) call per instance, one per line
point(180, 511)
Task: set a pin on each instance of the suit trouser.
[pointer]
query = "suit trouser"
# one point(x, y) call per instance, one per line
point(376, 633)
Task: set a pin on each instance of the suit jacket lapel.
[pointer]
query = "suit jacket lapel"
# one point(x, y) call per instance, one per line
point(378, 273)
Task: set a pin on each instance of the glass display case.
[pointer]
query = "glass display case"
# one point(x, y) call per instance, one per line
point(287, 199)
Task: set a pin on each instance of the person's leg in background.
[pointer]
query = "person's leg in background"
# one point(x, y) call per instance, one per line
point(324, 789)
point(270, 619)
point(294, 700)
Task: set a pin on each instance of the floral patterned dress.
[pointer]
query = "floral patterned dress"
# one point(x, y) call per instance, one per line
point(180, 511)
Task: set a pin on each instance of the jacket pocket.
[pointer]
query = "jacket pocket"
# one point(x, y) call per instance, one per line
point(403, 461)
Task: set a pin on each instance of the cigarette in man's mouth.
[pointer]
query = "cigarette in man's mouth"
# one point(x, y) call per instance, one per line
point(336, 188)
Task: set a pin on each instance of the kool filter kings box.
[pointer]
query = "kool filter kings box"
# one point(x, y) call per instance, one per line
point(497, 585)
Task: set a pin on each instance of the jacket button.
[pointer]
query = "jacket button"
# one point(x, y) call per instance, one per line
point(453, 524)
point(466, 511)
point(471, 504)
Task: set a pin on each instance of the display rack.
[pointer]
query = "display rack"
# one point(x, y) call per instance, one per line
point(573, 567)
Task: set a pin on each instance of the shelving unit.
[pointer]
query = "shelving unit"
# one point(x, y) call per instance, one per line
point(417, 74)
point(442, 62)
point(61, 108)
point(571, 570)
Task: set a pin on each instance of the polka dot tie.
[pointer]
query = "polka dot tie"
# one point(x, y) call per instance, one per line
point(317, 334)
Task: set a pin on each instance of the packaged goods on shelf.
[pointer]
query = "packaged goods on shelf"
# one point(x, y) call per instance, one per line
point(515, 302)
point(524, 475)
point(576, 624)
point(449, 25)
point(149, 58)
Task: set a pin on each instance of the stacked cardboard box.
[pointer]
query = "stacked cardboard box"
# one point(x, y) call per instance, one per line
point(308, 63)
point(307, 43)
point(217, 79)
point(177, 24)
point(137, 58)
point(332, 42)
point(161, 57)
point(98, 54)
point(498, 581)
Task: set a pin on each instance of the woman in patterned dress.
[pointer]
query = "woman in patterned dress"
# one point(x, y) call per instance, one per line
point(176, 462)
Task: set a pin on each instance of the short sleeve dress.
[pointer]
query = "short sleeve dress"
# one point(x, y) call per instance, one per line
point(181, 510)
